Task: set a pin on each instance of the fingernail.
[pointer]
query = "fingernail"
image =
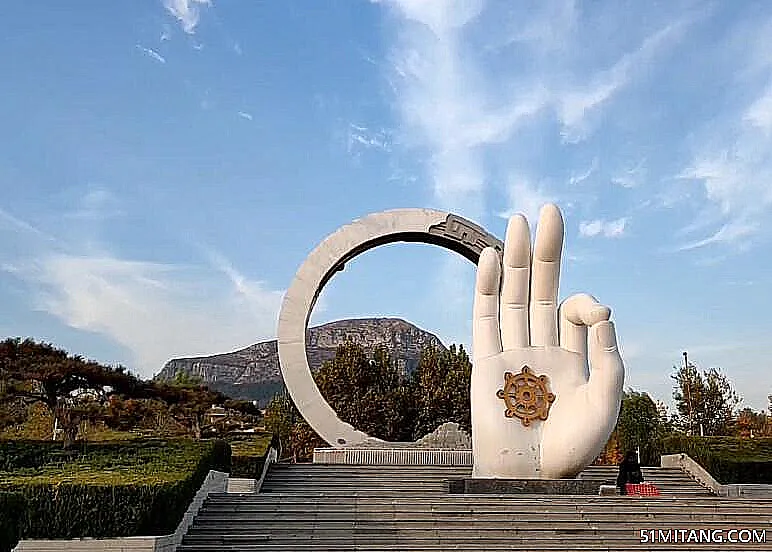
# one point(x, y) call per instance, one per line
point(607, 337)
point(599, 314)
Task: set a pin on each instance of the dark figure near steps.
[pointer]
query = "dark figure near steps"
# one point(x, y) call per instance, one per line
point(629, 471)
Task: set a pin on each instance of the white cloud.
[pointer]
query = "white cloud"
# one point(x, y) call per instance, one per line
point(441, 16)
point(606, 228)
point(443, 100)
point(759, 114)
point(245, 115)
point(18, 225)
point(187, 12)
point(735, 181)
point(457, 110)
point(575, 105)
point(96, 204)
point(728, 233)
point(631, 177)
point(548, 27)
point(157, 311)
point(151, 54)
point(732, 159)
point(579, 178)
point(360, 137)
point(526, 199)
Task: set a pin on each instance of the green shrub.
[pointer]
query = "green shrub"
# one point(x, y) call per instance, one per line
point(248, 456)
point(727, 459)
point(109, 490)
point(11, 511)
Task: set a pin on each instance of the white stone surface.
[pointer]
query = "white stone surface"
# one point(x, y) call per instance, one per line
point(393, 457)
point(344, 244)
point(447, 436)
point(515, 325)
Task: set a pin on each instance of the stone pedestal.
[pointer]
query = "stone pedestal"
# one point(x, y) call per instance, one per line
point(524, 486)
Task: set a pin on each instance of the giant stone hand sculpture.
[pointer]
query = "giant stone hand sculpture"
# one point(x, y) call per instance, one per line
point(538, 410)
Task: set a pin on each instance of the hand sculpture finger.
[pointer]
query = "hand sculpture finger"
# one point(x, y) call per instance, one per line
point(515, 289)
point(486, 336)
point(608, 372)
point(577, 313)
point(545, 276)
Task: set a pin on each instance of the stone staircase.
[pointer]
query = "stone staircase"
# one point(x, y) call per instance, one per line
point(304, 507)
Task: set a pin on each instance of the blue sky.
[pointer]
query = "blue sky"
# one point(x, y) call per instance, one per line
point(167, 165)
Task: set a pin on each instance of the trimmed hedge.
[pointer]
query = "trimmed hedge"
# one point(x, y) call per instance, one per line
point(11, 511)
point(248, 456)
point(108, 490)
point(727, 459)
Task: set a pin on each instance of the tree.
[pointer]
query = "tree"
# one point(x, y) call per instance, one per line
point(188, 404)
point(705, 401)
point(280, 416)
point(126, 414)
point(185, 379)
point(369, 393)
point(71, 388)
point(442, 390)
point(750, 423)
point(639, 426)
point(296, 437)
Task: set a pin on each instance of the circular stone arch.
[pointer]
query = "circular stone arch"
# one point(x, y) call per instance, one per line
point(330, 256)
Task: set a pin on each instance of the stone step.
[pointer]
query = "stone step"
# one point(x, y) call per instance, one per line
point(248, 519)
point(259, 515)
point(498, 501)
point(307, 507)
point(334, 490)
point(541, 523)
point(293, 545)
point(311, 546)
point(471, 542)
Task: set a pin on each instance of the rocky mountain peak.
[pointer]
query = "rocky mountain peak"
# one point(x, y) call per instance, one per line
point(253, 372)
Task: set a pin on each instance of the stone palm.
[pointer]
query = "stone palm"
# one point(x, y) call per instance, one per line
point(538, 410)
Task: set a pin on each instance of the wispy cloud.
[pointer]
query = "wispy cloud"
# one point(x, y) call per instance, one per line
point(18, 225)
point(735, 181)
point(631, 177)
point(759, 114)
point(575, 106)
point(187, 12)
point(360, 137)
point(728, 233)
point(527, 199)
point(245, 115)
point(732, 160)
point(547, 28)
point(576, 179)
point(96, 204)
point(606, 228)
point(151, 53)
point(443, 101)
point(157, 311)
point(459, 108)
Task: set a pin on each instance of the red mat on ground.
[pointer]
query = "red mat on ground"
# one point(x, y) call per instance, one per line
point(641, 489)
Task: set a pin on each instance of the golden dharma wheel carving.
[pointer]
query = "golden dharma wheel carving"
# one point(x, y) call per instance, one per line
point(526, 396)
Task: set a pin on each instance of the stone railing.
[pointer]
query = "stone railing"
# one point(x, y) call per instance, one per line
point(270, 458)
point(734, 490)
point(392, 457)
point(215, 482)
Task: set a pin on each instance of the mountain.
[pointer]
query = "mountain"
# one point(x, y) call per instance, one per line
point(253, 372)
